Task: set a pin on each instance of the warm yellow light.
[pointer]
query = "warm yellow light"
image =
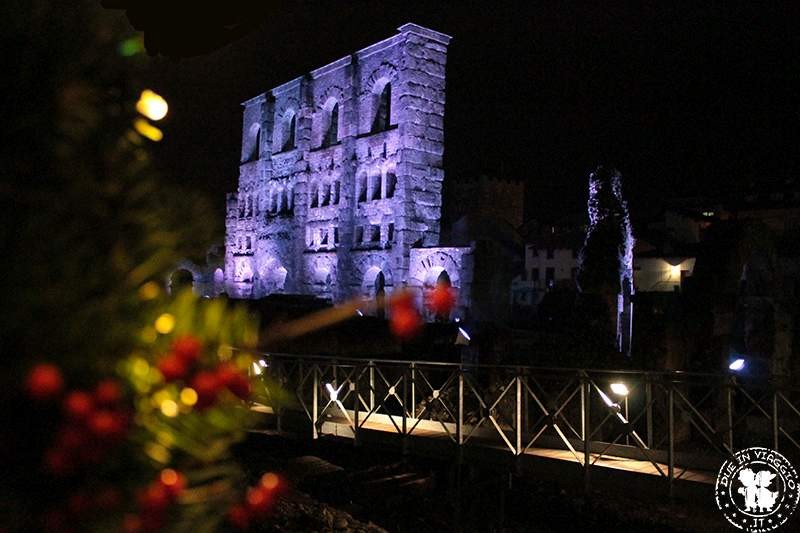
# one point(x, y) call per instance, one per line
point(269, 481)
point(189, 396)
point(157, 452)
point(675, 270)
point(148, 130)
point(620, 389)
point(140, 367)
point(165, 323)
point(169, 408)
point(169, 477)
point(149, 290)
point(152, 105)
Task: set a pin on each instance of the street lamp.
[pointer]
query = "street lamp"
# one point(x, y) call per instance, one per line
point(620, 389)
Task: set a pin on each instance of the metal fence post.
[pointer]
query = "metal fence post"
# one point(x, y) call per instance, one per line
point(648, 395)
point(460, 408)
point(357, 406)
point(413, 390)
point(371, 386)
point(405, 411)
point(587, 456)
point(519, 412)
point(315, 404)
point(671, 430)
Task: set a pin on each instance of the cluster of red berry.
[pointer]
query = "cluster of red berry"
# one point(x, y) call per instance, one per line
point(93, 420)
point(181, 364)
point(259, 500)
point(154, 501)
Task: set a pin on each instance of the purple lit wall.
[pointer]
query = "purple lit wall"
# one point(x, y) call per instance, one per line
point(341, 178)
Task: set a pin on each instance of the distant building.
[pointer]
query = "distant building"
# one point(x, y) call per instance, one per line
point(551, 261)
point(340, 183)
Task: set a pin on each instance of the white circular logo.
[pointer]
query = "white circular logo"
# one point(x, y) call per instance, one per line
point(757, 489)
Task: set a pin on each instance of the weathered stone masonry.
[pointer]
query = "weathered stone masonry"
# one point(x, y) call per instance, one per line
point(340, 184)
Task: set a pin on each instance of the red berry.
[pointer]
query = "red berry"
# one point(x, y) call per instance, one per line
point(258, 499)
point(44, 381)
point(172, 368)
point(108, 392)
point(240, 386)
point(226, 373)
point(106, 424)
point(230, 377)
point(154, 498)
point(187, 348)
point(173, 481)
point(78, 405)
point(441, 300)
point(207, 386)
point(239, 517)
point(405, 323)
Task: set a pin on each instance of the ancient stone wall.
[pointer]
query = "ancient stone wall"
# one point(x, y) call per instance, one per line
point(341, 174)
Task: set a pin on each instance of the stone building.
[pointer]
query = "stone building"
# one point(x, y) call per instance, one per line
point(340, 182)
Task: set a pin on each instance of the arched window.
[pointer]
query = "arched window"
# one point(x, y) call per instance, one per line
point(391, 183)
point(326, 194)
point(332, 135)
point(255, 143)
point(380, 295)
point(443, 281)
point(361, 187)
point(376, 186)
point(335, 192)
point(383, 109)
point(290, 126)
point(314, 195)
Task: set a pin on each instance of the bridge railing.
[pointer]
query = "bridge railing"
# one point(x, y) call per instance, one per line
point(676, 423)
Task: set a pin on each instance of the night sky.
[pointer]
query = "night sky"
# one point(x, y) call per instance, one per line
point(700, 101)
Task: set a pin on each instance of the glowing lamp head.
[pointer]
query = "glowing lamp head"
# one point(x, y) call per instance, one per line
point(620, 389)
point(152, 105)
point(675, 271)
point(331, 391)
point(737, 365)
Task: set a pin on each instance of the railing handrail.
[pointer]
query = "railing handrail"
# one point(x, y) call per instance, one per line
point(663, 375)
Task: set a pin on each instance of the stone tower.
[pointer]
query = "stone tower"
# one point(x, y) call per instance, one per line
point(341, 177)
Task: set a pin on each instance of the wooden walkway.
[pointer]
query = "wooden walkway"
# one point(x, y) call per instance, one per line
point(380, 429)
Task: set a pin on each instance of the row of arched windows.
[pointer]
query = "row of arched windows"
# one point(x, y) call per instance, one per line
point(288, 123)
point(321, 194)
point(327, 237)
point(375, 185)
point(373, 233)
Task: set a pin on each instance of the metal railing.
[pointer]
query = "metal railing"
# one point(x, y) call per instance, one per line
point(678, 423)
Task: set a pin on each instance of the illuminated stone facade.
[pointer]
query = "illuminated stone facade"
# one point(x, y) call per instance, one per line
point(340, 183)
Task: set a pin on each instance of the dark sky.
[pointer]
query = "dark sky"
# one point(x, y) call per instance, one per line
point(681, 101)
